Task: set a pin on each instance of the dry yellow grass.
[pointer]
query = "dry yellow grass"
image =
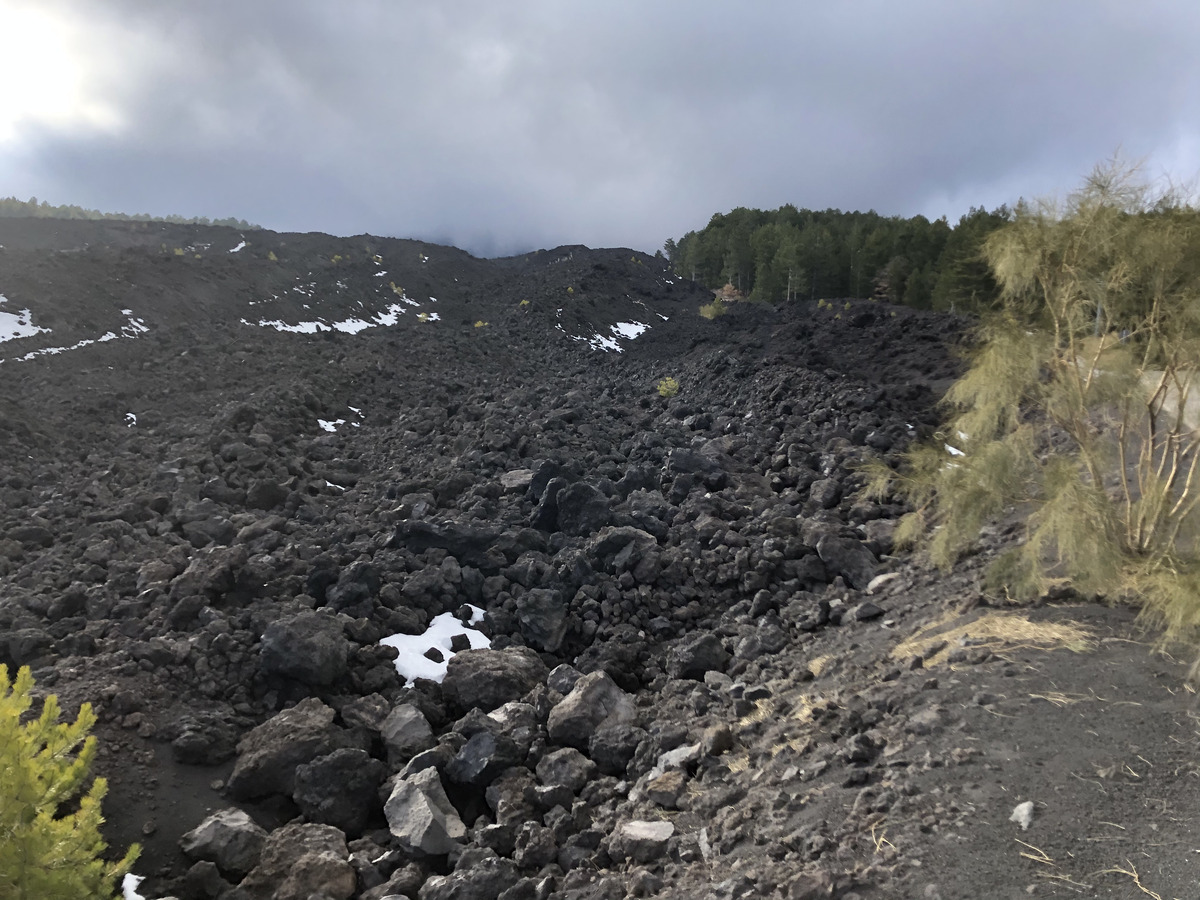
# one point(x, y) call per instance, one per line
point(993, 631)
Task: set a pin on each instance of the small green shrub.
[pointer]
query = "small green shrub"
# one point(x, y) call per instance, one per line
point(481, 324)
point(47, 853)
point(713, 310)
point(668, 387)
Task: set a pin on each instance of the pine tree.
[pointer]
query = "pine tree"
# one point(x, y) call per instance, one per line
point(47, 853)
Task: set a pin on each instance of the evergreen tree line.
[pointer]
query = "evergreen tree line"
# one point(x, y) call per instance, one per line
point(12, 208)
point(791, 253)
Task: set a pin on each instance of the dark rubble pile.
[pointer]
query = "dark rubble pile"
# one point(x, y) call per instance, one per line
point(652, 571)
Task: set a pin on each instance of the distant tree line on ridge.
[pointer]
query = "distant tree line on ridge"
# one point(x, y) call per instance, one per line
point(12, 208)
point(791, 253)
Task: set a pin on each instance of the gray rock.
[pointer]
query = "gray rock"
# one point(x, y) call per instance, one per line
point(640, 841)
point(613, 747)
point(866, 611)
point(341, 789)
point(269, 754)
point(229, 838)
point(368, 712)
point(34, 535)
point(302, 861)
point(211, 574)
point(516, 481)
point(849, 558)
point(23, 646)
point(594, 702)
point(404, 883)
point(421, 817)
point(490, 678)
point(482, 758)
point(509, 796)
point(562, 678)
point(310, 647)
point(582, 509)
point(568, 767)
point(264, 494)
point(534, 846)
point(542, 618)
point(666, 789)
point(482, 876)
point(405, 732)
point(696, 654)
point(825, 493)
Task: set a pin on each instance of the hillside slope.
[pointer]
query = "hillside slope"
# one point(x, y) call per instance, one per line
point(294, 446)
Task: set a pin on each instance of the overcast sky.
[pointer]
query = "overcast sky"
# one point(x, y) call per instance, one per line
point(505, 126)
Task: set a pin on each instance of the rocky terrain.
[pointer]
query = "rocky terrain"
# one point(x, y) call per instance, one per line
point(232, 464)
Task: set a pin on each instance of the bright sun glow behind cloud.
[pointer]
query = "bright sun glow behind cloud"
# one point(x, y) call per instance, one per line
point(43, 79)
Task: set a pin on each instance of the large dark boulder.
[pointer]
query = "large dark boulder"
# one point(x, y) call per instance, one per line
point(488, 679)
point(356, 586)
point(594, 702)
point(269, 754)
point(310, 647)
point(482, 758)
point(481, 875)
point(341, 789)
point(405, 732)
point(229, 838)
point(469, 544)
point(582, 510)
point(695, 655)
point(851, 559)
point(302, 861)
point(542, 618)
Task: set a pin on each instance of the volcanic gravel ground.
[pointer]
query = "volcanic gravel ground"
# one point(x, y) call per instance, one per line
point(710, 675)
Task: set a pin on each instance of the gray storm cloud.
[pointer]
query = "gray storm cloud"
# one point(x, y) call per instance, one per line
point(502, 127)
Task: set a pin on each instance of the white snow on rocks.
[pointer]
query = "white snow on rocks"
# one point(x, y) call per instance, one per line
point(239, 247)
point(608, 342)
point(389, 316)
point(17, 325)
point(131, 329)
point(129, 887)
point(1022, 814)
point(331, 425)
point(629, 330)
point(412, 663)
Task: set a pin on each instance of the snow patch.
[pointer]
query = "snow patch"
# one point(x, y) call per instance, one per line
point(239, 247)
point(17, 325)
point(131, 329)
point(330, 426)
point(130, 420)
point(412, 663)
point(629, 330)
point(608, 342)
point(389, 316)
point(129, 887)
